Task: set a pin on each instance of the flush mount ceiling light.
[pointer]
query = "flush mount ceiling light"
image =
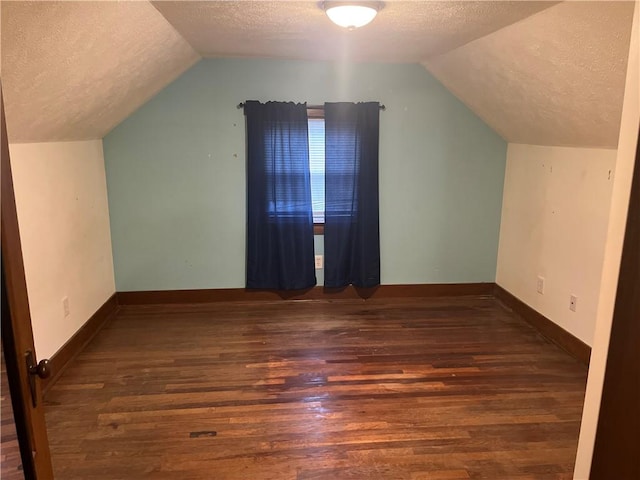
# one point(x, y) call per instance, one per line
point(351, 15)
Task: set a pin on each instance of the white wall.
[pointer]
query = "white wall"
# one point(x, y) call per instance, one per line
point(554, 224)
point(61, 199)
point(612, 253)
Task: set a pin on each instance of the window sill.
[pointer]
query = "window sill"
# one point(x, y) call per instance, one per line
point(318, 228)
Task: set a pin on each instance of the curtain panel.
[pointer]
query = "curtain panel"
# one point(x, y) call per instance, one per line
point(280, 251)
point(351, 231)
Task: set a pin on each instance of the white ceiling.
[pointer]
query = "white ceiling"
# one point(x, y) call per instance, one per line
point(536, 72)
point(556, 78)
point(74, 70)
point(405, 31)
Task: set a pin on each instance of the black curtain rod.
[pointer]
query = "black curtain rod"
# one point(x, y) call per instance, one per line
point(241, 105)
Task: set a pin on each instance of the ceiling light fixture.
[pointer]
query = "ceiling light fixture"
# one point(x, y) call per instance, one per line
point(351, 15)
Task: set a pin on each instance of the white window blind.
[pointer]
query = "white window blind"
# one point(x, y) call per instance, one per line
point(316, 165)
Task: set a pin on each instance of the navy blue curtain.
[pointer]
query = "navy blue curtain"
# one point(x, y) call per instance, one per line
point(279, 217)
point(351, 229)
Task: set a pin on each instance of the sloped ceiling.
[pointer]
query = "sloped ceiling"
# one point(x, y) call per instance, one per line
point(537, 72)
point(556, 78)
point(74, 70)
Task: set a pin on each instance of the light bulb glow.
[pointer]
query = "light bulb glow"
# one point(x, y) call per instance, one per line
point(351, 16)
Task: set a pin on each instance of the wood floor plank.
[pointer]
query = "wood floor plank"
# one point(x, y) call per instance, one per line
point(408, 389)
point(10, 460)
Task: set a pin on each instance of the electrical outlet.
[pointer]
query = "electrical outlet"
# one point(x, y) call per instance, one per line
point(319, 261)
point(540, 285)
point(573, 303)
point(65, 306)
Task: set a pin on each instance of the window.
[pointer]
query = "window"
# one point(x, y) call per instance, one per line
point(316, 165)
point(343, 138)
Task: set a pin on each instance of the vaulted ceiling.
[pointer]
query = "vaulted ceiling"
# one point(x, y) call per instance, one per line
point(74, 70)
point(537, 72)
point(556, 78)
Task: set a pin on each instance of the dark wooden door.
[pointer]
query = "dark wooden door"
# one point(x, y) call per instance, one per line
point(617, 448)
point(17, 336)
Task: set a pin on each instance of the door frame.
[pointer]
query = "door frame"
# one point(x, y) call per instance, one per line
point(615, 449)
point(17, 334)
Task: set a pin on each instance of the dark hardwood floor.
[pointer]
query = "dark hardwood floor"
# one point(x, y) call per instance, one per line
point(456, 388)
point(10, 461)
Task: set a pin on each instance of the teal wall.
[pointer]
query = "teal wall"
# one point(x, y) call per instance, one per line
point(176, 174)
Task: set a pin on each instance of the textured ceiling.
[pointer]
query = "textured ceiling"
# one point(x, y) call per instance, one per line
point(404, 31)
point(556, 78)
point(74, 70)
point(537, 72)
